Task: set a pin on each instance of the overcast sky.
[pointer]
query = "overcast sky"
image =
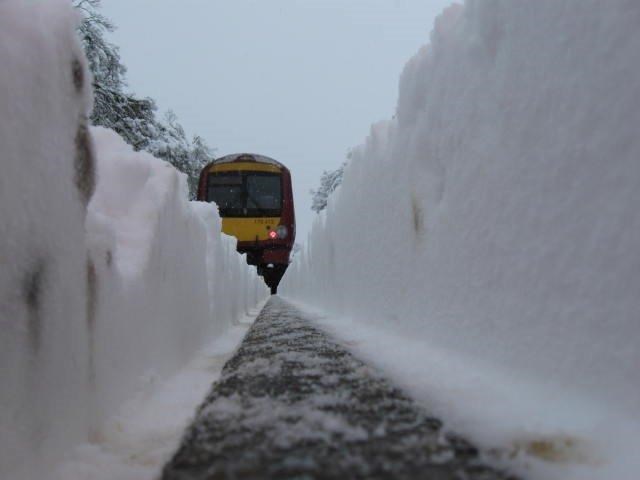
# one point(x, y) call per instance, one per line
point(298, 80)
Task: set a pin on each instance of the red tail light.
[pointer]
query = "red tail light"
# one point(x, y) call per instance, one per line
point(273, 234)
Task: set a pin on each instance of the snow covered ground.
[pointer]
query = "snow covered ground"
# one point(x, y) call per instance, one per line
point(109, 277)
point(483, 247)
point(141, 437)
point(294, 404)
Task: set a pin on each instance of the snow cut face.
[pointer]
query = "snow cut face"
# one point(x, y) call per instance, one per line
point(106, 270)
point(47, 178)
point(495, 217)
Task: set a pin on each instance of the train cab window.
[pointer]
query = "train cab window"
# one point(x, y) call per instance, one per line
point(246, 194)
point(263, 192)
point(227, 191)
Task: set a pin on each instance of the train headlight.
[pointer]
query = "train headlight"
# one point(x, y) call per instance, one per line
point(273, 235)
point(282, 231)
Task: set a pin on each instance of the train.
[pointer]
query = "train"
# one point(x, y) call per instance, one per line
point(255, 200)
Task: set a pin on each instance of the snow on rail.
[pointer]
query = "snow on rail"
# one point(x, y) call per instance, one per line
point(292, 403)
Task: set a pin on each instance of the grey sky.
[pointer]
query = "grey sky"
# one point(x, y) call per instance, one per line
point(300, 81)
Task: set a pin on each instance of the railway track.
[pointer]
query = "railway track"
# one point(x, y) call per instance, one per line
point(294, 404)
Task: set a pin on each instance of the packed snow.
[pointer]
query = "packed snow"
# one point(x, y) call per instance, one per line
point(483, 247)
point(146, 430)
point(176, 280)
point(109, 277)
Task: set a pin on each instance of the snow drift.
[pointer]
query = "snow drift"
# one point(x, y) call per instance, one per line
point(495, 218)
point(171, 280)
point(109, 277)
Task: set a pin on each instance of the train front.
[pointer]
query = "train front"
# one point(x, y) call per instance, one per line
point(255, 200)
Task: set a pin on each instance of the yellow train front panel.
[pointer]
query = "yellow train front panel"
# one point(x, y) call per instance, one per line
point(250, 229)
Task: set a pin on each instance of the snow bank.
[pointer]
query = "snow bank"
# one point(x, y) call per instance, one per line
point(495, 219)
point(99, 292)
point(169, 277)
point(146, 430)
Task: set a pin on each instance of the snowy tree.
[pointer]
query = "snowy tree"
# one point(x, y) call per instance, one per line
point(201, 154)
point(131, 117)
point(103, 57)
point(171, 144)
point(329, 181)
point(134, 119)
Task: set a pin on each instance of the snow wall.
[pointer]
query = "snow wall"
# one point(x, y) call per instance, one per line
point(496, 215)
point(109, 277)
